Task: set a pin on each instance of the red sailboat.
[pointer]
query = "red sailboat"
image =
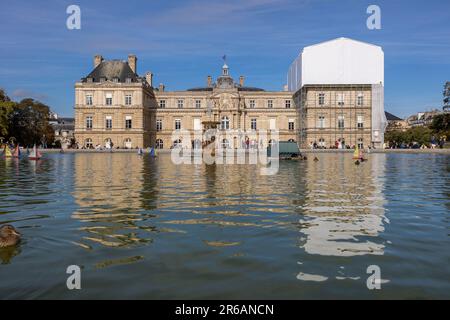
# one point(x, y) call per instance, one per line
point(35, 154)
point(16, 152)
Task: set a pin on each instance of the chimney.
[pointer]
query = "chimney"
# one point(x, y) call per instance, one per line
point(149, 78)
point(97, 60)
point(209, 81)
point(161, 87)
point(241, 81)
point(132, 62)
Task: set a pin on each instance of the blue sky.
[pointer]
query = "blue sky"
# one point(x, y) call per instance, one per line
point(183, 41)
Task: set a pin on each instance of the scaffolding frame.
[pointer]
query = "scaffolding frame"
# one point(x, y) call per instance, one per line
point(350, 132)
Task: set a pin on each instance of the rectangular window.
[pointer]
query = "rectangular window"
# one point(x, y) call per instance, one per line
point(321, 122)
point(108, 123)
point(162, 104)
point(198, 104)
point(180, 104)
point(158, 125)
point(321, 99)
point(340, 99)
point(128, 99)
point(89, 100)
point(89, 122)
point(270, 104)
point(360, 100)
point(291, 124)
point(287, 104)
point(361, 143)
point(360, 121)
point(108, 97)
point(253, 124)
point(252, 104)
point(341, 122)
point(128, 122)
point(177, 124)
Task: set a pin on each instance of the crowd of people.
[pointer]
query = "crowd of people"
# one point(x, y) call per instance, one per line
point(338, 144)
point(435, 143)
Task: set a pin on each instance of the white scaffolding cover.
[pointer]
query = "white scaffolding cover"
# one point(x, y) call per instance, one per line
point(344, 61)
point(339, 61)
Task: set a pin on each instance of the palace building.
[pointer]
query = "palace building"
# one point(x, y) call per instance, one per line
point(334, 94)
point(116, 107)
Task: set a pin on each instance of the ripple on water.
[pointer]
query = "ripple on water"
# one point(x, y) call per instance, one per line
point(176, 231)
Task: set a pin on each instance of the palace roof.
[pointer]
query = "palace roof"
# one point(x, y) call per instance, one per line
point(112, 69)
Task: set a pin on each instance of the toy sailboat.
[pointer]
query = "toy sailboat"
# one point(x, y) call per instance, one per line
point(16, 153)
point(7, 152)
point(358, 154)
point(35, 154)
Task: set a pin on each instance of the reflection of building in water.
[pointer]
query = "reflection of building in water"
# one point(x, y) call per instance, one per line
point(111, 194)
point(343, 207)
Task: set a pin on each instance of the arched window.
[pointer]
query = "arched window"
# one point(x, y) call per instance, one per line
point(128, 144)
point(177, 143)
point(159, 144)
point(88, 143)
point(225, 124)
point(197, 144)
point(322, 143)
point(225, 144)
point(108, 143)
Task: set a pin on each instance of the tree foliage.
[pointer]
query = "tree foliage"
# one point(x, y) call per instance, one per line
point(29, 123)
point(3, 96)
point(6, 108)
point(441, 124)
point(25, 121)
point(420, 135)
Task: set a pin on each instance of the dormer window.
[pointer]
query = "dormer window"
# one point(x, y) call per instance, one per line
point(128, 80)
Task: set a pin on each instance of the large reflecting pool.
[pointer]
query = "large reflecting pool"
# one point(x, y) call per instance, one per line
point(145, 228)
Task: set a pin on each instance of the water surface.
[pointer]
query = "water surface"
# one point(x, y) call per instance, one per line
point(145, 228)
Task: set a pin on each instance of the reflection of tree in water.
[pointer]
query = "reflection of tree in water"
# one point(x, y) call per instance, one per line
point(114, 197)
point(23, 183)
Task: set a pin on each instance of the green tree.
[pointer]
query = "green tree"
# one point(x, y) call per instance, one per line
point(6, 109)
point(441, 124)
point(29, 123)
point(420, 135)
point(3, 96)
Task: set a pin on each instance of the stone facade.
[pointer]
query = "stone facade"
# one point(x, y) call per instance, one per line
point(102, 108)
point(229, 106)
point(113, 107)
point(113, 104)
point(328, 114)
